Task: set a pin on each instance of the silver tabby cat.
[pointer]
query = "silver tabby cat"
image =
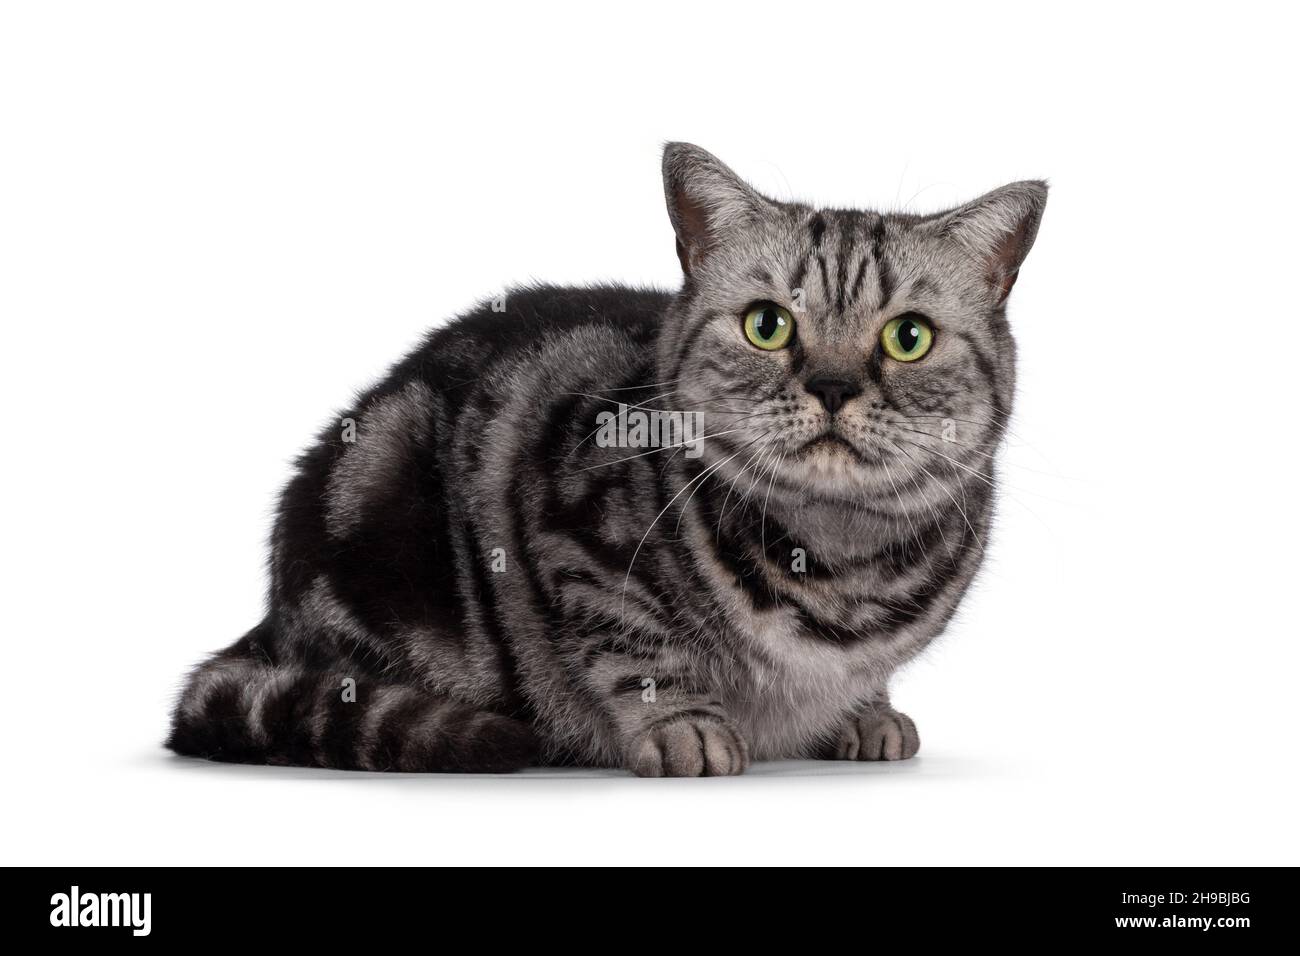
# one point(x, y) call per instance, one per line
point(463, 578)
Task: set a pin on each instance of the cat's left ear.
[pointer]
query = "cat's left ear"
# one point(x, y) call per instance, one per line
point(998, 229)
point(706, 201)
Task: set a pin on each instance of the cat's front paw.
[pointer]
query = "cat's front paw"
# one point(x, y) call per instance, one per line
point(878, 735)
point(689, 747)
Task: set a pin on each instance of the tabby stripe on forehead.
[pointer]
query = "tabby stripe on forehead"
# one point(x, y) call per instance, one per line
point(817, 226)
point(884, 273)
point(817, 229)
point(857, 280)
point(888, 282)
point(842, 263)
point(826, 279)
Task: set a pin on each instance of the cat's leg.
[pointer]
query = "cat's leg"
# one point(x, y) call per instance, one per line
point(666, 721)
point(876, 732)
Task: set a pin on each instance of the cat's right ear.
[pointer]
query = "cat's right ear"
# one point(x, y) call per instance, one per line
point(706, 200)
point(998, 230)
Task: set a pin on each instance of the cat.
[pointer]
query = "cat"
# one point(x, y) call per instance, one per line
point(464, 579)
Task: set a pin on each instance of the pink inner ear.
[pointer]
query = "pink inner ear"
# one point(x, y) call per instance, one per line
point(693, 225)
point(683, 257)
point(1004, 263)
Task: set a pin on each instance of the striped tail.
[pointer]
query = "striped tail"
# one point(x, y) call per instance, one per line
point(238, 709)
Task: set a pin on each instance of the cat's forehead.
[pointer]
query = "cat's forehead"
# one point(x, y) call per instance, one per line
point(845, 261)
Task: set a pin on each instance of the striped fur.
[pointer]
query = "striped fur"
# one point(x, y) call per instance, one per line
point(660, 612)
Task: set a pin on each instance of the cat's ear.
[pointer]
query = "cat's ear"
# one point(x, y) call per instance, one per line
point(998, 229)
point(706, 201)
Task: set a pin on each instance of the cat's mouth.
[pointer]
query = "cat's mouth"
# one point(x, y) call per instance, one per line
point(834, 450)
point(826, 442)
point(829, 447)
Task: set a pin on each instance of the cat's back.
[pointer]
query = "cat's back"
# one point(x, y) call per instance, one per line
point(520, 325)
point(420, 434)
point(528, 370)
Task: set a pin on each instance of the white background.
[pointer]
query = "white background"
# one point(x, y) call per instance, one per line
point(217, 221)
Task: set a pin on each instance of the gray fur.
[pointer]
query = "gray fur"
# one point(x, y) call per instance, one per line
point(649, 614)
point(379, 455)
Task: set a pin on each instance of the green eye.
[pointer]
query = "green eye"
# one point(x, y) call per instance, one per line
point(769, 326)
point(907, 338)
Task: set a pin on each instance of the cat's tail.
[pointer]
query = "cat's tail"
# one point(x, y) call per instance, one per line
point(238, 708)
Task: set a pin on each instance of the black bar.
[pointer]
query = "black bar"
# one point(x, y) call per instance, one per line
point(1229, 907)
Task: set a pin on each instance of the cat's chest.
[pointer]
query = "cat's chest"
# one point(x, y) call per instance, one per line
point(795, 690)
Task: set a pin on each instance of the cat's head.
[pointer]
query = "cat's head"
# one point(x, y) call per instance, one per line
point(845, 353)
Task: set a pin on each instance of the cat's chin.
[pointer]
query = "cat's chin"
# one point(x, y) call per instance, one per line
point(826, 445)
point(833, 455)
point(829, 463)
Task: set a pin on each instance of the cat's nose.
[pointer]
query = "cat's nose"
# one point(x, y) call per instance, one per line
point(833, 392)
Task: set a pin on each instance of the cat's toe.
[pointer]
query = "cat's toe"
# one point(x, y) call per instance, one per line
point(690, 748)
point(878, 735)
